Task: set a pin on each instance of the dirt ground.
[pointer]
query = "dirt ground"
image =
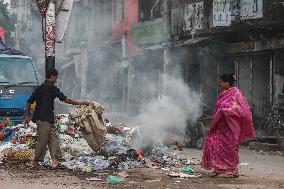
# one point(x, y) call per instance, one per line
point(258, 171)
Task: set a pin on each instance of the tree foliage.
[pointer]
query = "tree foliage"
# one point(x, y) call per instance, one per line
point(6, 21)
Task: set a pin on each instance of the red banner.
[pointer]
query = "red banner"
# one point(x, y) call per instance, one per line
point(125, 16)
point(131, 17)
point(2, 33)
point(42, 6)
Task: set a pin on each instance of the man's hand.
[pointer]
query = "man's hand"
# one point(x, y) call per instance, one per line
point(76, 102)
point(27, 120)
point(86, 103)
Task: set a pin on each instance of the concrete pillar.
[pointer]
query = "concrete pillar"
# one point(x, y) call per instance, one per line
point(167, 51)
point(126, 81)
point(19, 12)
point(167, 67)
point(166, 19)
point(131, 76)
point(84, 72)
point(78, 70)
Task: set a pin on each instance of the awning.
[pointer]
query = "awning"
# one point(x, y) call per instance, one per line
point(154, 47)
point(196, 40)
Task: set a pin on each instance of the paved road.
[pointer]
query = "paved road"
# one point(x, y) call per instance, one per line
point(262, 170)
point(257, 171)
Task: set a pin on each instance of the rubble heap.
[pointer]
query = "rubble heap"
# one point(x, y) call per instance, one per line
point(82, 135)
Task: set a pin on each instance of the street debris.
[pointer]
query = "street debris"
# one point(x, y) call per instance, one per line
point(94, 179)
point(7, 130)
point(123, 174)
point(114, 179)
point(244, 164)
point(187, 170)
point(19, 156)
point(174, 174)
point(89, 145)
point(184, 175)
point(151, 181)
point(192, 162)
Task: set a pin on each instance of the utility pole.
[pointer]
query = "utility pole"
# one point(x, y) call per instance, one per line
point(125, 94)
point(50, 36)
point(167, 51)
point(84, 71)
point(52, 17)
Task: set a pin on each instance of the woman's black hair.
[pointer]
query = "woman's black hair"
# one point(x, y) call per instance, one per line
point(230, 78)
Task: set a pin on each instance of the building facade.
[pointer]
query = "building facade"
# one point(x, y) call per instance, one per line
point(202, 39)
point(114, 49)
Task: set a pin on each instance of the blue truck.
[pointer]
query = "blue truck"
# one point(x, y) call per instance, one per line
point(18, 78)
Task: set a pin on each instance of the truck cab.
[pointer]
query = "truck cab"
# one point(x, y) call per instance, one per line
point(18, 78)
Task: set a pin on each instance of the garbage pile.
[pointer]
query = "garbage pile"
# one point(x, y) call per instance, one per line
point(7, 130)
point(184, 172)
point(16, 142)
point(90, 143)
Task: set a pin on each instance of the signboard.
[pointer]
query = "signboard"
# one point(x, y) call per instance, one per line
point(149, 32)
point(251, 9)
point(224, 12)
point(194, 17)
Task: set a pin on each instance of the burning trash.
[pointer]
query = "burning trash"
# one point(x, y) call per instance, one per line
point(140, 154)
point(84, 135)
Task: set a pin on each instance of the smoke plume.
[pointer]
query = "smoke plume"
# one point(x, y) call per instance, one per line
point(168, 113)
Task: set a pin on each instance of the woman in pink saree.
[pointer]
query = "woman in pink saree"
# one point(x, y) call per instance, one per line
point(231, 125)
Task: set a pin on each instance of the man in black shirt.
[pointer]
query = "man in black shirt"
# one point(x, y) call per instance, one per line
point(43, 116)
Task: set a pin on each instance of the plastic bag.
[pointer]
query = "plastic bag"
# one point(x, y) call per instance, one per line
point(114, 180)
point(187, 170)
point(88, 169)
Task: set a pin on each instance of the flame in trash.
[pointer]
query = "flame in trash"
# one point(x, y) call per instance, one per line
point(140, 154)
point(179, 145)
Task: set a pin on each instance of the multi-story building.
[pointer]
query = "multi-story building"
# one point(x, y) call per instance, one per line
point(241, 36)
point(202, 39)
point(113, 49)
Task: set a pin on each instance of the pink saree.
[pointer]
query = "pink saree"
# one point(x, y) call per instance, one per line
point(231, 125)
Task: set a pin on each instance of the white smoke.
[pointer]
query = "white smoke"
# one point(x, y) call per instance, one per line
point(170, 112)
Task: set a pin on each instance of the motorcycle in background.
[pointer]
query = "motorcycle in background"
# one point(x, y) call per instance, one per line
point(195, 132)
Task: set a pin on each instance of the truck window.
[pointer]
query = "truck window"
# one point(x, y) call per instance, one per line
point(16, 70)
